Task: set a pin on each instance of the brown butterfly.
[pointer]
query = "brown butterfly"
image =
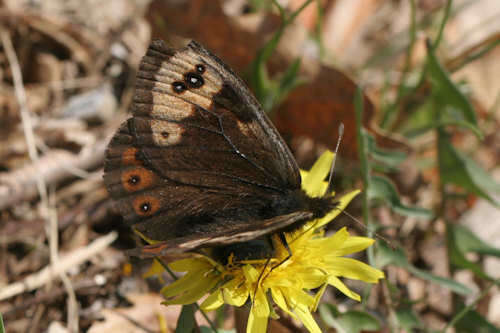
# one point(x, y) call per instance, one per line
point(200, 164)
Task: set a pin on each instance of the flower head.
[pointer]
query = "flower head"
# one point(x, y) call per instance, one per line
point(316, 261)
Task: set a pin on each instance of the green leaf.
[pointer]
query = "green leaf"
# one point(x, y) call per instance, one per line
point(467, 241)
point(456, 106)
point(472, 321)
point(391, 158)
point(328, 312)
point(382, 188)
point(259, 5)
point(206, 329)
point(186, 321)
point(2, 328)
point(269, 91)
point(386, 256)
point(457, 255)
point(351, 321)
point(288, 81)
point(407, 319)
point(445, 282)
point(357, 321)
point(456, 168)
point(420, 120)
point(277, 89)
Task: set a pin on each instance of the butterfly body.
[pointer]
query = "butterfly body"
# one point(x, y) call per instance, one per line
point(199, 163)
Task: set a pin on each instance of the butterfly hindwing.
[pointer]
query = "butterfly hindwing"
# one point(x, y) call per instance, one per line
point(170, 250)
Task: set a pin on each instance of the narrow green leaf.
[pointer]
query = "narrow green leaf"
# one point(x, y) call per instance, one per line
point(457, 106)
point(467, 241)
point(357, 321)
point(420, 120)
point(445, 282)
point(457, 122)
point(386, 256)
point(277, 89)
point(407, 319)
point(2, 328)
point(391, 158)
point(260, 5)
point(186, 321)
point(206, 329)
point(472, 321)
point(458, 258)
point(328, 312)
point(456, 168)
point(267, 90)
point(350, 321)
point(382, 188)
point(288, 81)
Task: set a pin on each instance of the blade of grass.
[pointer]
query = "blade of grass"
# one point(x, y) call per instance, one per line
point(446, 15)
point(474, 53)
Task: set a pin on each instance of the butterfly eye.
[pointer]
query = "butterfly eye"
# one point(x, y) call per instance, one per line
point(179, 87)
point(200, 68)
point(194, 80)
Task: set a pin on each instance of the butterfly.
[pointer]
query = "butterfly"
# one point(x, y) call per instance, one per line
point(199, 164)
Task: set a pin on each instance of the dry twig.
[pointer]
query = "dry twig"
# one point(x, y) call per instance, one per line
point(47, 274)
point(48, 212)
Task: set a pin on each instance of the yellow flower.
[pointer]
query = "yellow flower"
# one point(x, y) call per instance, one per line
point(316, 262)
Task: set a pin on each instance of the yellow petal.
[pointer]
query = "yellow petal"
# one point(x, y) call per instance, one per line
point(156, 269)
point(250, 273)
point(190, 264)
point(280, 300)
point(318, 296)
point(313, 182)
point(354, 244)
point(338, 238)
point(308, 277)
point(353, 269)
point(179, 286)
point(298, 296)
point(235, 292)
point(260, 307)
point(212, 302)
point(306, 318)
point(256, 324)
point(195, 292)
point(259, 314)
point(334, 281)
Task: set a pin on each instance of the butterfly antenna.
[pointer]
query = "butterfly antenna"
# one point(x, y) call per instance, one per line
point(330, 179)
point(379, 236)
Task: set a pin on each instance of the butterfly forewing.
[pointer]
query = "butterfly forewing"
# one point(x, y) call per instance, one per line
point(199, 155)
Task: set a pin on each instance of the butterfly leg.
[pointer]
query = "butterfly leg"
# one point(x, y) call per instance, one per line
point(283, 241)
point(260, 276)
